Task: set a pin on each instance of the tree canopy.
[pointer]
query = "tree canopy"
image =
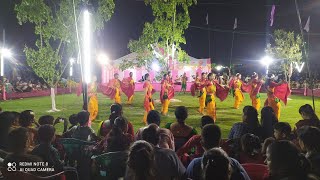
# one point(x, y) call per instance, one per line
point(164, 35)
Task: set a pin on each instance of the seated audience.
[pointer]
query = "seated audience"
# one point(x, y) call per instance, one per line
point(45, 150)
point(83, 131)
point(141, 162)
point(195, 140)
point(106, 126)
point(265, 145)
point(18, 144)
point(216, 165)
point(211, 137)
point(16, 119)
point(46, 119)
point(6, 122)
point(285, 162)
point(167, 162)
point(26, 120)
point(166, 137)
point(282, 131)
point(309, 117)
point(250, 150)
point(249, 124)
point(268, 120)
point(180, 130)
point(73, 120)
point(309, 142)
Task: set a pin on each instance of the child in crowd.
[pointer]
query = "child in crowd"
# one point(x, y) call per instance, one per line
point(26, 119)
point(45, 150)
point(250, 150)
point(282, 131)
point(83, 131)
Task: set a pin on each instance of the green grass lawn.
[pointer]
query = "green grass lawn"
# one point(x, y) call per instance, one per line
point(226, 115)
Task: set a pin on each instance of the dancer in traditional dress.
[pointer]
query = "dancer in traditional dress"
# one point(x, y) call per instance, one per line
point(202, 93)
point(275, 93)
point(184, 80)
point(235, 85)
point(127, 87)
point(166, 94)
point(113, 89)
point(93, 107)
point(213, 89)
point(253, 88)
point(148, 101)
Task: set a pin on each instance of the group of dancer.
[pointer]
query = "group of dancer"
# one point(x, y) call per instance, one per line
point(206, 88)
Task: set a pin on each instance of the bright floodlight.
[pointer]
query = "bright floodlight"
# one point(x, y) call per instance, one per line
point(155, 66)
point(6, 53)
point(86, 46)
point(219, 68)
point(299, 68)
point(71, 66)
point(267, 60)
point(103, 59)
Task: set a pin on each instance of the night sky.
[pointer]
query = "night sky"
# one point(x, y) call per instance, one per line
point(253, 16)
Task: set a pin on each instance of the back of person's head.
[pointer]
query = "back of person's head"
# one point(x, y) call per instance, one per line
point(206, 120)
point(151, 134)
point(216, 165)
point(46, 133)
point(116, 111)
point(121, 123)
point(26, 118)
point(309, 139)
point(73, 119)
point(153, 117)
point(307, 112)
point(141, 161)
point(267, 143)
point(250, 144)
point(46, 119)
point(6, 120)
point(282, 130)
point(116, 139)
point(267, 115)
point(83, 117)
point(16, 117)
point(250, 116)
point(181, 114)
point(18, 140)
point(285, 160)
point(210, 136)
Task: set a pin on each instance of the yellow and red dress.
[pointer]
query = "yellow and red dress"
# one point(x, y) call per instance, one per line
point(113, 90)
point(254, 94)
point(238, 95)
point(202, 95)
point(165, 96)
point(127, 87)
point(148, 101)
point(210, 99)
point(93, 107)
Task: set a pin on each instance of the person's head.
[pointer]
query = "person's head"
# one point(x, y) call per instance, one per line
point(284, 159)
point(169, 74)
point(153, 117)
point(46, 119)
point(73, 119)
point(131, 74)
point(203, 75)
point(254, 76)
point(206, 120)
point(309, 139)
point(267, 114)
point(147, 77)
point(141, 160)
point(267, 143)
point(216, 165)
point(121, 123)
point(250, 116)
point(116, 111)
point(184, 74)
point(210, 136)
point(26, 118)
point(306, 111)
point(151, 134)
point(238, 76)
point(250, 144)
point(116, 76)
point(181, 114)
point(83, 118)
point(18, 140)
point(282, 131)
point(16, 118)
point(6, 120)
point(211, 76)
point(165, 76)
point(46, 133)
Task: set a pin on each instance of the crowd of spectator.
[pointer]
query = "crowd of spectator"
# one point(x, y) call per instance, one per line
point(263, 149)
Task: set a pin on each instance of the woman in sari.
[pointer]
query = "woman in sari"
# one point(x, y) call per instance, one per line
point(236, 84)
point(164, 94)
point(93, 101)
point(148, 101)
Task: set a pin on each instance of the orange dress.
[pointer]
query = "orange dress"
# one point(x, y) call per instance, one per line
point(148, 101)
